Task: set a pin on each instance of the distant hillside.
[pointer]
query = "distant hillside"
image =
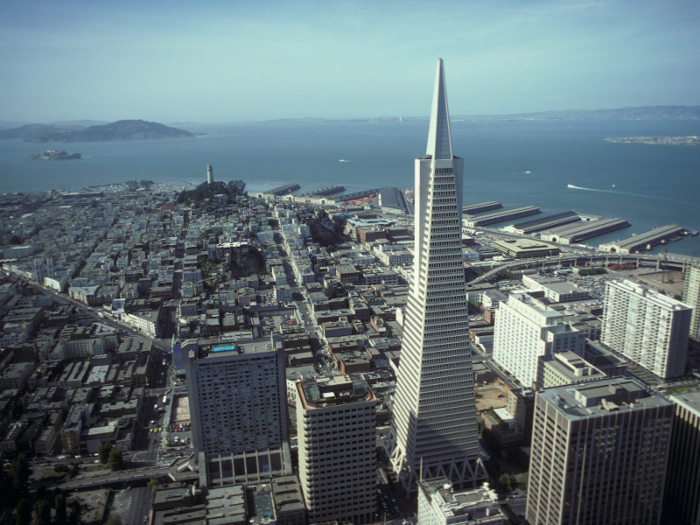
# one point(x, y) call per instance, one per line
point(36, 130)
point(121, 130)
point(642, 113)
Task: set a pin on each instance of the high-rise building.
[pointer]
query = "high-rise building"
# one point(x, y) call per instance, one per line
point(210, 173)
point(647, 327)
point(527, 329)
point(237, 398)
point(691, 297)
point(599, 454)
point(337, 431)
point(440, 504)
point(434, 412)
point(682, 497)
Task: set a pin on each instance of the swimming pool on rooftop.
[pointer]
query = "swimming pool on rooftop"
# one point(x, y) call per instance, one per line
point(225, 348)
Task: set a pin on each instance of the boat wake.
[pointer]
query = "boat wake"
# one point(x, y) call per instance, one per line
point(571, 186)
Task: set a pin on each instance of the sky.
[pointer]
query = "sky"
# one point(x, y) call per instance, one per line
point(219, 61)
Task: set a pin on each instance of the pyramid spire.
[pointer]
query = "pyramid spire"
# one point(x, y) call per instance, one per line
point(439, 136)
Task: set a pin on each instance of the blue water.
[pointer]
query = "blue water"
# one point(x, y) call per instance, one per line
point(654, 185)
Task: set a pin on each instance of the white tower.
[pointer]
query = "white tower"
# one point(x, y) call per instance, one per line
point(210, 173)
point(434, 414)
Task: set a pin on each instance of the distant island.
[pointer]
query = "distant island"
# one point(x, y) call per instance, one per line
point(693, 140)
point(120, 130)
point(53, 154)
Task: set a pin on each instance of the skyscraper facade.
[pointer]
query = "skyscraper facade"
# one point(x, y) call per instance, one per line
point(647, 327)
point(434, 412)
point(337, 427)
point(691, 297)
point(682, 498)
point(237, 398)
point(599, 454)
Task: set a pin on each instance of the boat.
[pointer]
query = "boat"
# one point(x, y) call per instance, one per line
point(342, 160)
point(694, 233)
point(571, 186)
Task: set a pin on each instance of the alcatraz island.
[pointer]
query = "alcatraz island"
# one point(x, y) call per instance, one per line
point(52, 154)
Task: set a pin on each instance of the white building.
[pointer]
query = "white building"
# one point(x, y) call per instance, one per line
point(434, 412)
point(526, 329)
point(337, 426)
point(439, 504)
point(647, 327)
point(691, 297)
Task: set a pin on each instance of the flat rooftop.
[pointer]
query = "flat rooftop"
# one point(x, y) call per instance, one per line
point(689, 401)
point(602, 397)
point(649, 237)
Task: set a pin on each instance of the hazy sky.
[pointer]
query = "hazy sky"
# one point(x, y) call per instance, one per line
point(228, 61)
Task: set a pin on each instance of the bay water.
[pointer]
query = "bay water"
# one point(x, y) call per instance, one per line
point(518, 163)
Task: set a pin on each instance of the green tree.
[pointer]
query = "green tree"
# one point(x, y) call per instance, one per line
point(61, 469)
point(116, 462)
point(24, 513)
point(153, 483)
point(74, 469)
point(505, 482)
point(42, 513)
point(103, 450)
point(20, 472)
point(59, 503)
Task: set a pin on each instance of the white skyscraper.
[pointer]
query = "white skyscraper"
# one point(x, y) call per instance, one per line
point(647, 327)
point(527, 329)
point(434, 413)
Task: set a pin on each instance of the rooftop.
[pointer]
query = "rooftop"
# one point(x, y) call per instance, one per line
point(331, 391)
point(599, 398)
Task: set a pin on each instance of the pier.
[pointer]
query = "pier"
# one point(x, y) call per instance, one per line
point(284, 190)
point(491, 218)
point(330, 190)
point(574, 233)
point(640, 242)
point(544, 223)
point(473, 209)
point(357, 195)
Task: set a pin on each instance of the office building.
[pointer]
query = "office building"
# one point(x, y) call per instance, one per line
point(440, 504)
point(691, 297)
point(526, 329)
point(434, 411)
point(647, 327)
point(599, 453)
point(565, 368)
point(237, 398)
point(337, 432)
point(682, 497)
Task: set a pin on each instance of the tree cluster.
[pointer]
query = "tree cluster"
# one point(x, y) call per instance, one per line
point(324, 236)
point(208, 191)
point(251, 263)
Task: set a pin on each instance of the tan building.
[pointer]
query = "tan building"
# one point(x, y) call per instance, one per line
point(565, 368)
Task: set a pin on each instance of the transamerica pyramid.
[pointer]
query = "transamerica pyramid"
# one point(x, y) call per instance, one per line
point(434, 411)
